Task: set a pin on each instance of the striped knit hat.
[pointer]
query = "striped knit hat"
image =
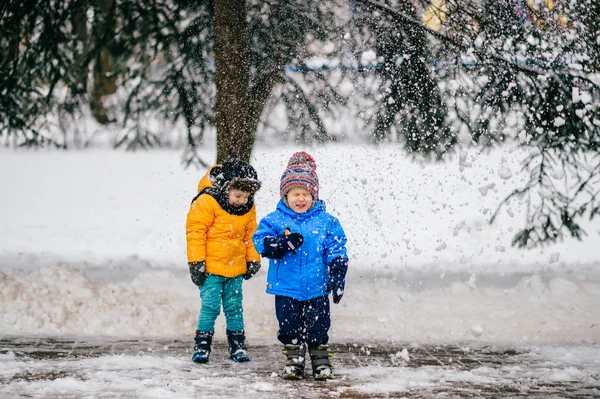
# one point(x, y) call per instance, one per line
point(300, 172)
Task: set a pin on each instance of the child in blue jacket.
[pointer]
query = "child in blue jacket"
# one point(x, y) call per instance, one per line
point(308, 261)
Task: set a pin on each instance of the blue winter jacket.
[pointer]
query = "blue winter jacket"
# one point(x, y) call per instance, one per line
point(303, 275)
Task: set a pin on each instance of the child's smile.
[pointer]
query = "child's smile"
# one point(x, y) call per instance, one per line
point(299, 199)
point(238, 197)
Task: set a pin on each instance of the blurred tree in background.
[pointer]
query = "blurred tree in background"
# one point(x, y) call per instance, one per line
point(410, 102)
point(430, 75)
point(488, 73)
point(133, 63)
point(531, 78)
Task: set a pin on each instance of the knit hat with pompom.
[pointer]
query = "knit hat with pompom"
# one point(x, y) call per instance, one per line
point(300, 172)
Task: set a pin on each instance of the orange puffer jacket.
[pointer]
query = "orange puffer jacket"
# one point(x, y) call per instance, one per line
point(223, 240)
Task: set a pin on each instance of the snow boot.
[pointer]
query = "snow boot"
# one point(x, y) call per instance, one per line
point(294, 362)
point(237, 349)
point(319, 359)
point(202, 347)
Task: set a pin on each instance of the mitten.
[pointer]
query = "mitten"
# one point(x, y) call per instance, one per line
point(251, 269)
point(292, 241)
point(337, 278)
point(336, 285)
point(198, 272)
point(276, 247)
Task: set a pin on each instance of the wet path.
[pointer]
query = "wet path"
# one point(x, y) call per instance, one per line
point(36, 367)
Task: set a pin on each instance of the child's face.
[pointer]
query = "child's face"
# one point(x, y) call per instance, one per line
point(237, 197)
point(299, 199)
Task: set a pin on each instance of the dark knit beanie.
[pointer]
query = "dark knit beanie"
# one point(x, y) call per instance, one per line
point(300, 172)
point(238, 175)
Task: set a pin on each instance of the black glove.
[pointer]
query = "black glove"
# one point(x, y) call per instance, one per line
point(198, 272)
point(292, 241)
point(337, 278)
point(276, 247)
point(336, 285)
point(251, 269)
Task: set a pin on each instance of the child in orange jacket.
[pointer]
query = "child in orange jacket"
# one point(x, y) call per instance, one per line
point(219, 229)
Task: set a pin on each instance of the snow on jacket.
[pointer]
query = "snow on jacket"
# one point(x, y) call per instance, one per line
point(303, 275)
point(221, 239)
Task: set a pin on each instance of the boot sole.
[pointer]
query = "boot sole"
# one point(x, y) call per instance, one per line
point(325, 373)
point(291, 373)
point(292, 377)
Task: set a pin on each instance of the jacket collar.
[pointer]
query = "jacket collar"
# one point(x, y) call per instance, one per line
point(221, 197)
point(318, 207)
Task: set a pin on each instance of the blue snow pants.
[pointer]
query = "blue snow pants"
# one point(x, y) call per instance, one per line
point(303, 321)
point(225, 290)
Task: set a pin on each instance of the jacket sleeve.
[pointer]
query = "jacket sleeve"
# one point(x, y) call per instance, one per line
point(265, 229)
point(251, 253)
point(200, 217)
point(335, 243)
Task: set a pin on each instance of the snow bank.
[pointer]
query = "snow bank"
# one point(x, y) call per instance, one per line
point(61, 300)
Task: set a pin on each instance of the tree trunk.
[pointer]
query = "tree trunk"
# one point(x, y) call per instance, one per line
point(259, 94)
point(235, 138)
point(104, 79)
point(81, 46)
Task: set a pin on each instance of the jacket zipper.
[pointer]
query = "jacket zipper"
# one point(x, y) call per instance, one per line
point(303, 271)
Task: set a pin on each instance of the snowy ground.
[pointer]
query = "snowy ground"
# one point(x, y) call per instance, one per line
point(92, 253)
point(161, 368)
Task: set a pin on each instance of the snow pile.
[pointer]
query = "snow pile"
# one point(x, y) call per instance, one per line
point(60, 300)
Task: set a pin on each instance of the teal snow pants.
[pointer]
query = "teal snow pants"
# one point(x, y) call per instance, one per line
point(225, 290)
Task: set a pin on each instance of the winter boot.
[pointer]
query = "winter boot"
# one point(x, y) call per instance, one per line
point(294, 362)
point(237, 349)
point(319, 359)
point(202, 348)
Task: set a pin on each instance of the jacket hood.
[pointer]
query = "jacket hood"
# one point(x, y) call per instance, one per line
point(207, 180)
point(319, 206)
